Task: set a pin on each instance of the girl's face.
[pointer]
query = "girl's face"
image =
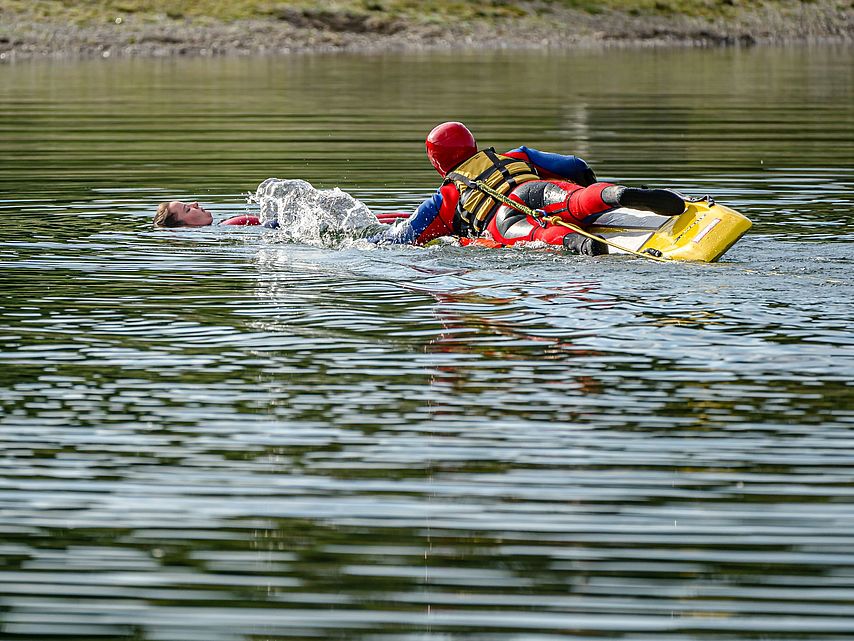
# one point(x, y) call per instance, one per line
point(190, 214)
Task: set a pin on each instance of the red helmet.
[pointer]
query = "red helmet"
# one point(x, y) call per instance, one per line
point(448, 145)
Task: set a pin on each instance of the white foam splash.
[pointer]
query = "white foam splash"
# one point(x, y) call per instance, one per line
point(313, 216)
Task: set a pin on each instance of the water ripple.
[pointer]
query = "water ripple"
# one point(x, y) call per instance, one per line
point(217, 435)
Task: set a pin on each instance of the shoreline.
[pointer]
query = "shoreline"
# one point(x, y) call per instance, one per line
point(25, 37)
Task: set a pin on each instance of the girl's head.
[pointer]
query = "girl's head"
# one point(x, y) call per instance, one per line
point(179, 214)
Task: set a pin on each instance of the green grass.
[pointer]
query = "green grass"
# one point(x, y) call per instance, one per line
point(419, 10)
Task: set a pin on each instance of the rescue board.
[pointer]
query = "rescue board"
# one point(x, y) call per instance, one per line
point(704, 232)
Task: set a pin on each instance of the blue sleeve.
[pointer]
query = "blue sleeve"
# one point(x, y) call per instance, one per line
point(571, 167)
point(409, 231)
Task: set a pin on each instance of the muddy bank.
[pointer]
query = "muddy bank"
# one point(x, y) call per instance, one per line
point(24, 36)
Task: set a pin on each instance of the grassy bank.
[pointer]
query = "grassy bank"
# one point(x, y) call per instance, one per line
point(88, 11)
point(31, 28)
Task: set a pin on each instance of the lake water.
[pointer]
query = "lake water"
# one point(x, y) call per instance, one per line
point(215, 435)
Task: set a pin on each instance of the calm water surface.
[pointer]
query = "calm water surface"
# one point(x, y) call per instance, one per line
point(216, 435)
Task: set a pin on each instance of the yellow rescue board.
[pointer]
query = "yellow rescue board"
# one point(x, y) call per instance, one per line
point(703, 233)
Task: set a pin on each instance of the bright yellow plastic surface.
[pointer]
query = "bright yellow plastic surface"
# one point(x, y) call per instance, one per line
point(703, 233)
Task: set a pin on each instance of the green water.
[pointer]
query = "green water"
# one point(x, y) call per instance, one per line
point(218, 435)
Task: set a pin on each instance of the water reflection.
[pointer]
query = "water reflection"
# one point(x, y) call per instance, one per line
point(216, 435)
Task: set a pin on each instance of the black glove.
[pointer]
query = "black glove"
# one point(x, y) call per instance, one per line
point(587, 178)
point(578, 244)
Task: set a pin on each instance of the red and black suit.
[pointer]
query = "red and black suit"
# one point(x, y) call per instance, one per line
point(560, 185)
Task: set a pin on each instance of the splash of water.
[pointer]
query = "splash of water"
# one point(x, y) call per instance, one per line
point(324, 217)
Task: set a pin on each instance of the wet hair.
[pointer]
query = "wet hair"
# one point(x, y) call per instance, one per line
point(165, 218)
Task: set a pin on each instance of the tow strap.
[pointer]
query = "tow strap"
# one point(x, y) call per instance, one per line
point(542, 219)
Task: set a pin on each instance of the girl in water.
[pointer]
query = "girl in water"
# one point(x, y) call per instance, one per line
point(181, 214)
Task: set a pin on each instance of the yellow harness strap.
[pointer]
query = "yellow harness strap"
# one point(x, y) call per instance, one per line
point(540, 216)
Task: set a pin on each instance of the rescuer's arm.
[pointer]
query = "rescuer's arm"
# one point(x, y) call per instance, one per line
point(551, 165)
point(433, 218)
